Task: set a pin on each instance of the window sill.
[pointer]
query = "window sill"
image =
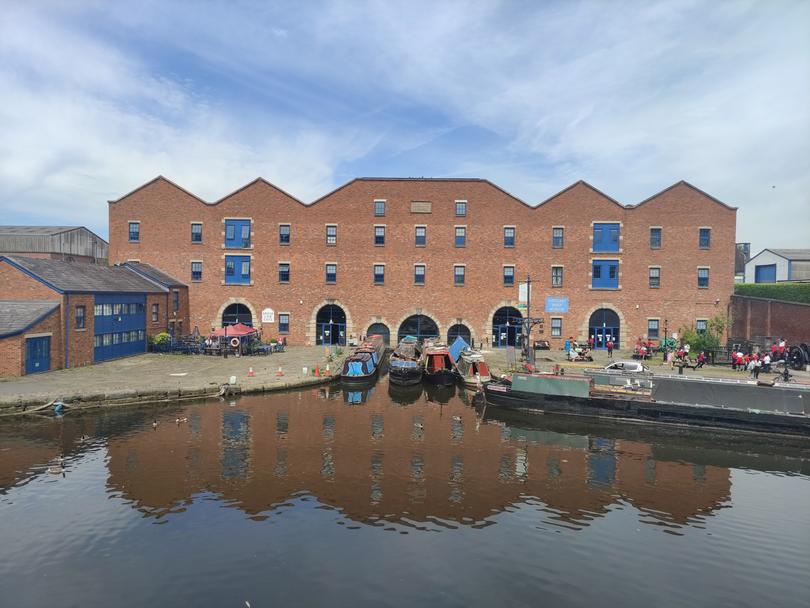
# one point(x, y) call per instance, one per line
point(418, 284)
point(605, 288)
point(196, 280)
point(611, 251)
point(81, 329)
point(556, 286)
point(133, 242)
point(378, 284)
point(655, 287)
point(196, 242)
point(235, 248)
point(379, 244)
point(331, 282)
point(250, 284)
point(420, 246)
point(284, 244)
point(283, 282)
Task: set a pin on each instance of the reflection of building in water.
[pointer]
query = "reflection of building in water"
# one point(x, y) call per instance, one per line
point(380, 460)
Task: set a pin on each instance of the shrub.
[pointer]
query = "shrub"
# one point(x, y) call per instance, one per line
point(787, 292)
point(161, 338)
point(715, 330)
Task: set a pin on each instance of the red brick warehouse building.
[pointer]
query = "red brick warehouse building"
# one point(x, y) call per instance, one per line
point(435, 256)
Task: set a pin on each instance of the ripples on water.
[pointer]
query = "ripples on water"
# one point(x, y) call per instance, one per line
point(393, 497)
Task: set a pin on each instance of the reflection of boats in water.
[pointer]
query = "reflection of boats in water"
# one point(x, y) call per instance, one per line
point(706, 402)
point(439, 393)
point(403, 364)
point(404, 395)
point(364, 363)
point(355, 395)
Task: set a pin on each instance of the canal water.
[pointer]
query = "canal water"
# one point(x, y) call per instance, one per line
point(378, 497)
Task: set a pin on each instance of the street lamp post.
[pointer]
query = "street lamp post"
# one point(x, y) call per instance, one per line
point(666, 339)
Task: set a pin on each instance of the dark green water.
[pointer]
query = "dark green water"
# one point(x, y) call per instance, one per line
point(326, 498)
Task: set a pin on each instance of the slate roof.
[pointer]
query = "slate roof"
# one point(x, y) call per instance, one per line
point(150, 272)
point(16, 317)
point(793, 254)
point(85, 278)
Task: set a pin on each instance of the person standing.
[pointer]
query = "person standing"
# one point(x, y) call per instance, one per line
point(610, 347)
point(701, 360)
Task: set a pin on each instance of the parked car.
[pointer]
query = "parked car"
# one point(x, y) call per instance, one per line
point(632, 367)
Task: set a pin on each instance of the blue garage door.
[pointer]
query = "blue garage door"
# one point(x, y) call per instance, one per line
point(120, 325)
point(37, 355)
point(765, 273)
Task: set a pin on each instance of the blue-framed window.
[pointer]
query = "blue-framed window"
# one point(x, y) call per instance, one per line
point(237, 234)
point(458, 275)
point(652, 329)
point(331, 273)
point(379, 235)
point(283, 323)
point(605, 274)
point(196, 232)
point(134, 232)
point(379, 208)
point(196, 271)
point(556, 276)
point(557, 237)
point(655, 238)
point(331, 235)
point(379, 274)
point(606, 237)
point(284, 272)
point(237, 270)
point(556, 327)
point(508, 276)
point(703, 278)
point(283, 234)
point(420, 236)
point(705, 238)
point(508, 236)
point(419, 274)
point(654, 275)
point(461, 208)
point(701, 325)
point(461, 236)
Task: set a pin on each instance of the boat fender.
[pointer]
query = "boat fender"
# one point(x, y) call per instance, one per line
point(234, 342)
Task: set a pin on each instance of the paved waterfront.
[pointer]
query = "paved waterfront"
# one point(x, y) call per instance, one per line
point(157, 373)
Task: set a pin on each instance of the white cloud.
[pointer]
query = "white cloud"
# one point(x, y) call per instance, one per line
point(631, 96)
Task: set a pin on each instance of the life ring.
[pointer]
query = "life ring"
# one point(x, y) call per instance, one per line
point(234, 342)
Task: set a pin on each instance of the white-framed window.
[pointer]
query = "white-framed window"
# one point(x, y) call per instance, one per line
point(556, 327)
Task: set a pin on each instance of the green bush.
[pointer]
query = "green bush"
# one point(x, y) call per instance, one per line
point(715, 330)
point(787, 292)
point(161, 338)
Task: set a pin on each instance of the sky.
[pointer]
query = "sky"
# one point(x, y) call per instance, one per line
point(97, 98)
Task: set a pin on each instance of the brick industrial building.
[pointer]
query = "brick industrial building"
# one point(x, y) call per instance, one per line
point(435, 256)
point(56, 314)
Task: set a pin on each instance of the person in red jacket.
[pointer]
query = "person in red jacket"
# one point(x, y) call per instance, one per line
point(610, 347)
point(701, 360)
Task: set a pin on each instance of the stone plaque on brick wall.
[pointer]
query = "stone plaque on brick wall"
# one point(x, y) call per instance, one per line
point(421, 207)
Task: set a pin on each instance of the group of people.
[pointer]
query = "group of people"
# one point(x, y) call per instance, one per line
point(756, 362)
point(643, 349)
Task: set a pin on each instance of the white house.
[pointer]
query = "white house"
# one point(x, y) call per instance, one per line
point(772, 265)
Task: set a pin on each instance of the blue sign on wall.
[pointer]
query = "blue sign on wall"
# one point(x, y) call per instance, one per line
point(556, 304)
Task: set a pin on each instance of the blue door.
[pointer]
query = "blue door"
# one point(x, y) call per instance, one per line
point(37, 355)
point(765, 273)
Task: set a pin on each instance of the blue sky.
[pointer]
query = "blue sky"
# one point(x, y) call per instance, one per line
point(100, 97)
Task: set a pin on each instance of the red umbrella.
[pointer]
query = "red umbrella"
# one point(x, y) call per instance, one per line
point(236, 331)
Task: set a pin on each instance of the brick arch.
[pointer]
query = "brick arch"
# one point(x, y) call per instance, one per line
point(623, 330)
point(257, 318)
point(311, 324)
point(378, 319)
point(419, 311)
point(488, 323)
point(462, 321)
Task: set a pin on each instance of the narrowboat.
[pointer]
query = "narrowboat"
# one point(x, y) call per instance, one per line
point(684, 400)
point(438, 365)
point(364, 363)
point(472, 370)
point(403, 364)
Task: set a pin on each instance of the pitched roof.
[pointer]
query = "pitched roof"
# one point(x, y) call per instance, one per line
point(84, 278)
point(16, 316)
point(154, 274)
point(35, 230)
point(802, 255)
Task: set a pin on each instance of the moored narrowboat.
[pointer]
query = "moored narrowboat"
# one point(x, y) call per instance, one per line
point(472, 369)
point(438, 365)
point(403, 364)
point(364, 363)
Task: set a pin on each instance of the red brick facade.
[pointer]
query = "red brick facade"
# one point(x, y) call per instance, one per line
point(165, 213)
point(12, 349)
point(762, 320)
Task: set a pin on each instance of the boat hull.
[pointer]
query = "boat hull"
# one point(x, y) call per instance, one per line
point(443, 377)
point(637, 408)
point(404, 377)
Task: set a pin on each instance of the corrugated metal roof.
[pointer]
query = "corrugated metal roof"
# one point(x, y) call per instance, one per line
point(31, 230)
point(793, 254)
point(16, 317)
point(88, 278)
point(150, 272)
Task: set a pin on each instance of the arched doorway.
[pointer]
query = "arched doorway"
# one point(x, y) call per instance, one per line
point(506, 324)
point(459, 330)
point(418, 326)
point(330, 325)
point(237, 313)
point(380, 328)
point(603, 326)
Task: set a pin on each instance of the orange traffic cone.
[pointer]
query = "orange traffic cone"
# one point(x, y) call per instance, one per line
point(250, 372)
point(317, 371)
point(279, 372)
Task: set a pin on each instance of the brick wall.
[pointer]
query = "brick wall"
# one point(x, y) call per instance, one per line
point(755, 318)
point(16, 285)
point(680, 211)
point(80, 341)
point(162, 322)
point(12, 359)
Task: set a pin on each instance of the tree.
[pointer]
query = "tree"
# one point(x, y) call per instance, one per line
point(715, 331)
